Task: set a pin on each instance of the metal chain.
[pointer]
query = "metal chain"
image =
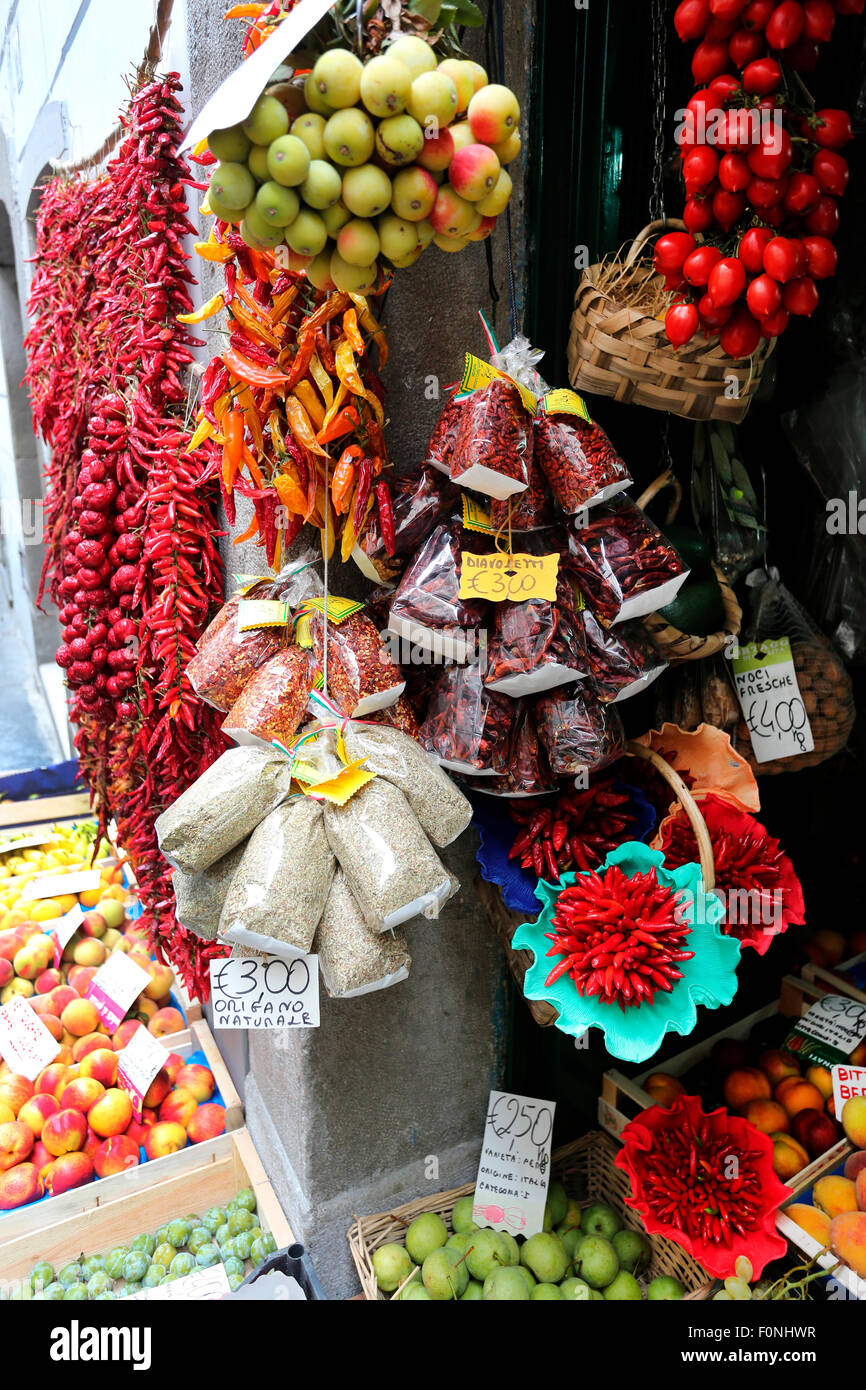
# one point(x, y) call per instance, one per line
point(659, 94)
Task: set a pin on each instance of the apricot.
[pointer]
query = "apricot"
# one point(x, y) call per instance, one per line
point(814, 1222)
point(789, 1157)
point(848, 1240)
point(767, 1116)
point(853, 1120)
point(745, 1085)
point(802, 1096)
point(778, 1065)
point(835, 1195)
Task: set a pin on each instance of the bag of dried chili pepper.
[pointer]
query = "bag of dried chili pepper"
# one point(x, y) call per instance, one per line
point(622, 563)
point(273, 702)
point(400, 716)
point(536, 645)
point(418, 499)
point(467, 726)
point(441, 446)
point(362, 677)
point(427, 609)
point(578, 733)
point(578, 460)
point(493, 449)
point(622, 660)
point(220, 671)
point(528, 773)
point(531, 510)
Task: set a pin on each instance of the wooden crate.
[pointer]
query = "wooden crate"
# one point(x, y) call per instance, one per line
point(836, 979)
point(36, 813)
point(623, 1098)
point(800, 1240)
point(26, 1222)
point(585, 1167)
point(204, 1180)
point(192, 1010)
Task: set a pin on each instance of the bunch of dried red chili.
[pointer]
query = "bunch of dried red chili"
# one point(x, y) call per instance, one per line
point(577, 831)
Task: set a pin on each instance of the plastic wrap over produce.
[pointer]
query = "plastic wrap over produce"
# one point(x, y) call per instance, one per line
point(622, 563)
point(199, 898)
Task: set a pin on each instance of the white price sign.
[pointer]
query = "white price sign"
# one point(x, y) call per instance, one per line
point(58, 885)
point(25, 1043)
point(848, 1082)
point(114, 986)
point(265, 992)
point(770, 699)
point(202, 1283)
point(137, 1065)
point(836, 1020)
point(514, 1169)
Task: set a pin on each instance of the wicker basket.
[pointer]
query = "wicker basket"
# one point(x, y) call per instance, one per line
point(679, 646)
point(505, 922)
point(586, 1168)
point(621, 351)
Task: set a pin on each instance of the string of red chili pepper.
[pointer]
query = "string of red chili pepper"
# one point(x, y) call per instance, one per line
point(619, 937)
point(704, 1184)
point(577, 831)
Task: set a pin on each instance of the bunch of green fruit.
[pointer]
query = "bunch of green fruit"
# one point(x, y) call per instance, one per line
point(581, 1255)
point(369, 161)
point(231, 1235)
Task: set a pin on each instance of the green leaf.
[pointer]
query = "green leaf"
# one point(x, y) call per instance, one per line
point(427, 9)
point(462, 12)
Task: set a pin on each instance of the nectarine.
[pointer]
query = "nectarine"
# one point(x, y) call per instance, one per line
point(64, 1132)
point(68, 1171)
point(112, 1113)
point(789, 1157)
point(16, 1141)
point(20, 1185)
point(164, 1138)
point(80, 1017)
point(766, 1115)
point(200, 1082)
point(35, 1111)
point(179, 1105)
point(207, 1122)
point(744, 1085)
point(115, 1155)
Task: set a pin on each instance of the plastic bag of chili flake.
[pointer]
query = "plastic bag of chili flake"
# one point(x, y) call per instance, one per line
point(468, 727)
point(621, 562)
point(418, 499)
point(273, 702)
point(536, 644)
point(441, 445)
point(622, 660)
point(528, 773)
point(362, 677)
point(427, 609)
point(578, 733)
point(493, 449)
point(576, 457)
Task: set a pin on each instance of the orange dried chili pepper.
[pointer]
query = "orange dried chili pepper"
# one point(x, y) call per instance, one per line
point(252, 466)
point(251, 372)
point(291, 495)
point(302, 429)
point(233, 436)
point(350, 328)
point(347, 371)
point(213, 251)
point(306, 394)
point(368, 320)
point(344, 422)
point(344, 477)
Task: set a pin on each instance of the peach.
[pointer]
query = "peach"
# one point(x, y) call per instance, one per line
point(111, 1113)
point(835, 1195)
point(207, 1122)
point(855, 1164)
point(7, 972)
point(60, 997)
point(24, 988)
point(6, 1113)
point(33, 957)
point(16, 1141)
point(54, 1026)
point(161, 981)
point(64, 1132)
point(47, 981)
point(166, 1021)
point(766, 1115)
point(101, 1064)
point(158, 1089)
point(68, 1171)
point(173, 1064)
point(20, 1185)
point(789, 1157)
point(744, 1085)
point(90, 951)
point(663, 1088)
point(41, 1157)
point(860, 1189)
point(814, 1222)
point(52, 1079)
point(10, 944)
point(125, 1033)
point(853, 1120)
point(35, 1111)
point(815, 1131)
point(848, 1240)
point(179, 1105)
point(199, 1080)
point(163, 1138)
point(116, 1155)
point(144, 1009)
point(80, 1017)
point(93, 1142)
point(801, 1096)
point(79, 978)
point(93, 925)
point(82, 1094)
point(822, 1079)
point(91, 1042)
point(14, 1090)
point(777, 1064)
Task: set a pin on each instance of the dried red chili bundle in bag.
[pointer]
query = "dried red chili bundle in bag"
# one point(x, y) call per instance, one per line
point(493, 449)
point(531, 510)
point(622, 660)
point(273, 702)
point(467, 726)
point(442, 440)
point(622, 563)
point(418, 499)
point(528, 773)
point(220, 671)
point(577, 732)
point(536, 645)
point(362, 677)
point(578, 460)
point(427, 607)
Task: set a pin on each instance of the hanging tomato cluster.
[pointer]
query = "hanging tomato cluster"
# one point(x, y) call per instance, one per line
point(132, 554)
point(762, 173)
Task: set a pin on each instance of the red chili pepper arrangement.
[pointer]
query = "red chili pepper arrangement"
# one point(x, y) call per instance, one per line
point(132, 552)
point(577, 831)
point(762, 172)
point(705, 1181)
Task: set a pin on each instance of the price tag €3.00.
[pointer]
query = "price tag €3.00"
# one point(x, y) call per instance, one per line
point(514, 578)
point(771, 702)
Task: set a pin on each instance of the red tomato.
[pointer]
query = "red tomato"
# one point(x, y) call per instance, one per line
point(783, 259)
point(850, 6)
point(698, 214)
point(720, 29)
point(711, 317)
point(774, 325)
point(745, 46)
point(757, 13)
point(773, 155)
point(726, 9)
point(831, 171)
point(723, 87)
point(734, 172)
point(765, 193)
point(833, 129)
point(764, 297)
point(819, 20)
point(682, 322)
point(774, 216)
point(801, 296)
point(824, 219)
point(691, 19)
point(762, 77)
point(821, 255)
point(741, 334)
point(727, 282)
point(700, 166)
point(671, 250)
point(697, 266)
point(728, 208)
point(733, 129)
point(751, 248)
point(785, 24)
point(709, 59)
point(802, 194)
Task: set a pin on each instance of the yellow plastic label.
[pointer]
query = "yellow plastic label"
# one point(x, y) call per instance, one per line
point(302, 631)
point(245, 582)
point(339, 609)
point(564, 402)
point(513, 578)
point(475, 517)
point(340, 788)
point(262, 612)
point(478, 374)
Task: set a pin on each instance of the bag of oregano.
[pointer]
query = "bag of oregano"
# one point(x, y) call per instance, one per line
point(199, 898)
point(443, 810)
point(355, 959)
point(222, 807)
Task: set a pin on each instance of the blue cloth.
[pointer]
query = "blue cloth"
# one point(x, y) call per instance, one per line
point(58, 780)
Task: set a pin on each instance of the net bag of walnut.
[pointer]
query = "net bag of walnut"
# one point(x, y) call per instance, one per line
point(353, 958)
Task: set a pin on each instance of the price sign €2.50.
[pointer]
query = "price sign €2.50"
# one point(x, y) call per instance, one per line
point(514, 1169)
